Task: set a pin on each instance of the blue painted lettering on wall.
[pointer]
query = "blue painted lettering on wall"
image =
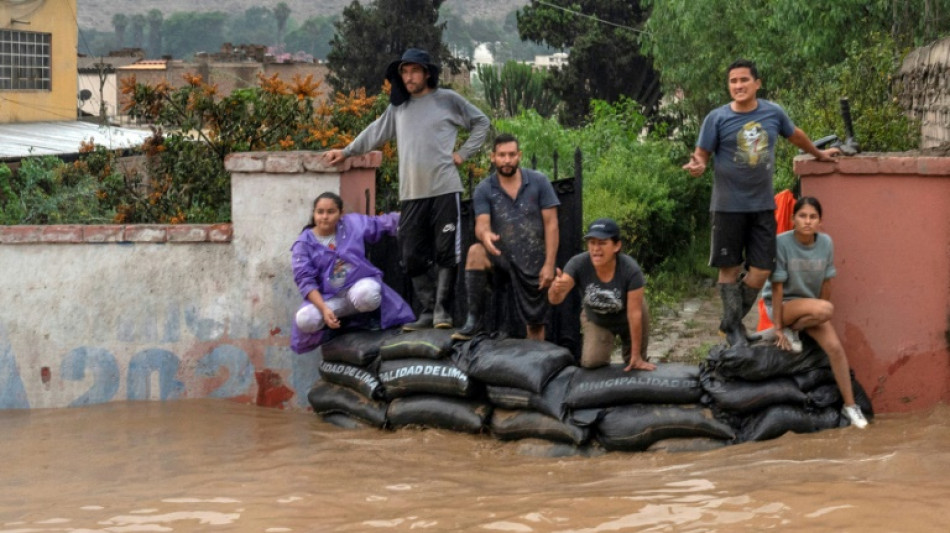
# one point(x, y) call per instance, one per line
point(12, 393)
point(206, 329)
point(105, 371)
point(238, 365)
point(141, 366)
point(304, 369)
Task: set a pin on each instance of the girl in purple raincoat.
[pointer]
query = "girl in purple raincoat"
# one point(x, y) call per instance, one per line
point(333, 275)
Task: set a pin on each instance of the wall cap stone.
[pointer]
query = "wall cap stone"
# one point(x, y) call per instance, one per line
point(116, 233)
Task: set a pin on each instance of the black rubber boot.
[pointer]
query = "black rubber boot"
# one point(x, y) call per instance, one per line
point(750, 295)
point(444, 296)
point(476, 282)
point(425, 293)
point(731, 323)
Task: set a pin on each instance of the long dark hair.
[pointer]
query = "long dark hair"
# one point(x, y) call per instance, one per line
point(807, 200)
point(332, 196)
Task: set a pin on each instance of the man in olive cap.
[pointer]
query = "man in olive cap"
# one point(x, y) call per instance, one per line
point(425, 120)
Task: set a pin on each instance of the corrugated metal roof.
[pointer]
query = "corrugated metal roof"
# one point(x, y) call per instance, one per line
point(62, 138)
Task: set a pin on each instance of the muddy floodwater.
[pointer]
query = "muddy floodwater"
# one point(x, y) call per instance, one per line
point(206, 465)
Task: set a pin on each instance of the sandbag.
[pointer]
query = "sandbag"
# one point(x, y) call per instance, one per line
point(775, 421)
point(823, 396)
point(586, 417)
point(424, 343)
point(760, 362)
point(509, 397)
point(327, 398)
point(402, 377)
point(359, 348)
point(443, 412)
point(551, 401)
point(526, 424)
point(610, 385)
point(807, 381)
point(742, 396)
point(341, 420)
point(520, 363)
point(360, 379)
point(637, 427)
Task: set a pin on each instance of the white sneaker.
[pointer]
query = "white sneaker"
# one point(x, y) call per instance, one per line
point(855, 416)
point(793, 339)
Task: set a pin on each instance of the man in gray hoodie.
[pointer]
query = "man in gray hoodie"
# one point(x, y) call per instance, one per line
point(425, 120)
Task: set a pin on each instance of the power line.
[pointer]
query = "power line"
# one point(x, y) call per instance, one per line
point(592, 17)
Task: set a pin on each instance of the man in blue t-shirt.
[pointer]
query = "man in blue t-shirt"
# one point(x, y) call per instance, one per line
point(742, 135)
point(517, 233)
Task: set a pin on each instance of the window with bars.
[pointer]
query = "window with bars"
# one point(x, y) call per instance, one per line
point(25, 60)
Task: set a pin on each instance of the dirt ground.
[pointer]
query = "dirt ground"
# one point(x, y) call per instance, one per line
point(687, 333)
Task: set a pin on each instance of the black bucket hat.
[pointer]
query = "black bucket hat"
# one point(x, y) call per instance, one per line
point(398, 94)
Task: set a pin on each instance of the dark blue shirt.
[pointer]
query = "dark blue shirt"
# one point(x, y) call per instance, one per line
point(517, 220)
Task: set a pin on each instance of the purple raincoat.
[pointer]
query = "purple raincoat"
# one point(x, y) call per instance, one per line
point(313, 264)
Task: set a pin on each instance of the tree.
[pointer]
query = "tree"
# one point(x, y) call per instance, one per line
point(605, 58)
point(256, 25)
point(369, 38)
point(313, 37)
point(138, 30)
point(120, 22)
point(155, 20)
point(188, 33)
point(281, 13)
point(516, 87)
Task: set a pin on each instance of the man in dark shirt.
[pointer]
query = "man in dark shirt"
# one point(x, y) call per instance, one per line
point(517, 232)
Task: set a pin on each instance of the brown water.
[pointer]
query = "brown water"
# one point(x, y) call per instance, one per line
point(205, 465)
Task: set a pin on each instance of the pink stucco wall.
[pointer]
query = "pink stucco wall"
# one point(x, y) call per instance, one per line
point(889, 216)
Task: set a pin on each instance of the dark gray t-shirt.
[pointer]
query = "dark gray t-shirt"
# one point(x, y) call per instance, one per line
point(605, 303)
point(743, 148)
point(517, 220)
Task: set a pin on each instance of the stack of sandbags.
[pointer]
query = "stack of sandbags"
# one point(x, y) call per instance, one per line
point(425, 386)
point(633, 410)
point(526, 381)
point(349, 383)
point(765, 391)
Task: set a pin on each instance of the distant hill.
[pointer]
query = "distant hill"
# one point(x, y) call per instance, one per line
point(97, 14)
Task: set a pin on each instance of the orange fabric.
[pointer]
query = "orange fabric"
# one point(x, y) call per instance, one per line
point(784, 205)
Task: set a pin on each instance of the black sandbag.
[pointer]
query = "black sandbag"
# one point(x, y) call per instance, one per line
point(509, 397)
point(775, 421)
point(553, 399)
point(443, 412)
point(610, 385)
point(424, 343)
point(526, 424)
point(807, 381)
point(861, 398)
point(823, 396)
point(520, 363)
point(742, 396)
point(402, 377)
point(359, 348)
point(341, 420)
point(637, 427)
point(586, 417)
point(760, 362)
point(327, 398)
point(360, 379)
point(550, 402)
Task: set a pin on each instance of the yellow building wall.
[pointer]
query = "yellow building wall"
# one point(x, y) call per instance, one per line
point(58, 18)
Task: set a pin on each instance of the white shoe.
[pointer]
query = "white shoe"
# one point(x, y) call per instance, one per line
point(792, 336)
point(855, 416)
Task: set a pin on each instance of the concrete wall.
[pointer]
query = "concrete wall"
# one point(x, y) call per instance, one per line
point(56, 17)
point(889, 216)
point(94, 314)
